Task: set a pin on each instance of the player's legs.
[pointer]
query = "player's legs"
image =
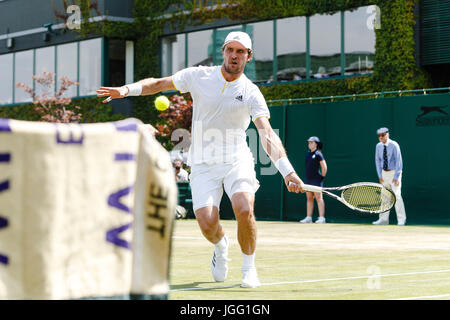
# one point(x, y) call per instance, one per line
point(207, 191)
point(209, 223)
point(243, 204)
point(241, 184)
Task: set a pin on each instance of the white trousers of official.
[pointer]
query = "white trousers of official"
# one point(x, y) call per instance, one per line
point(388, 177)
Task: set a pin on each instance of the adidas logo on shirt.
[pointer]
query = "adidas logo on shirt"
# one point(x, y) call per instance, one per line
point(240, 98)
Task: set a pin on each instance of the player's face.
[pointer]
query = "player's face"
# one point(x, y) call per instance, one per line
point(235, 57)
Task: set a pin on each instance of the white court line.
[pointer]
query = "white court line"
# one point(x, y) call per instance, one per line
point(310, 242)
point(425, 297)
point(358, 277)
point(321, 280)
point(206, 288)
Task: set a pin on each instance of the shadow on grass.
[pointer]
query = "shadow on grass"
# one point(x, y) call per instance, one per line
point(195, 286)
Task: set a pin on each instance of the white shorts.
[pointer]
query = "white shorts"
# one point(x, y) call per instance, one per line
point(209, 181)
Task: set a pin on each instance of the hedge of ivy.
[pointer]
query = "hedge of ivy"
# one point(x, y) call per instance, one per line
point(91, 109)
point(395, 61)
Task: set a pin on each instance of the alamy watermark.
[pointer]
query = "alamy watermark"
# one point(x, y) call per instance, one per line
point(374, 19)
point(74, 20)
point(374, 280)
point(218, 146)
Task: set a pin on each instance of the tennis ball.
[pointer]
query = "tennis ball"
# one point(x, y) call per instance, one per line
point(162, 103)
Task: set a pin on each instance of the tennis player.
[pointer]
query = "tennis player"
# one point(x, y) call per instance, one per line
point(224, 102)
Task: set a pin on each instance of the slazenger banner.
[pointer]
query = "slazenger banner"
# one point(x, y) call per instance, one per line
point(86, 210)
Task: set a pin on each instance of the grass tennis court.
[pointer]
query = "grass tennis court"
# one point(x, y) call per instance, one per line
point(318, 262)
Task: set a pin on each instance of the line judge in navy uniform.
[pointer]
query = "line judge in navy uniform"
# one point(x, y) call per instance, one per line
point(389, 165)
point(316, 170)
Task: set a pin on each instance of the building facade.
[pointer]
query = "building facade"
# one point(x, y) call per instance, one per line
point(35, 37)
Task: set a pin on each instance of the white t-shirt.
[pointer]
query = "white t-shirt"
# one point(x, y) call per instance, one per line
point(221, 113)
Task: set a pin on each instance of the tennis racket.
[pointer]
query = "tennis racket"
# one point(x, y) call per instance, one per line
point(367, 197)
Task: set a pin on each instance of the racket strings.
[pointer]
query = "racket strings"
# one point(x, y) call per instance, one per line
point(369, 198)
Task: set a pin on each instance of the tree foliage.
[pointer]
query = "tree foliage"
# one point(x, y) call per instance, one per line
point(51, 105)
point(176, 122)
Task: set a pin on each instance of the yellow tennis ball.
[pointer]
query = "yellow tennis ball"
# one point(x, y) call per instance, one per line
point(162, 103)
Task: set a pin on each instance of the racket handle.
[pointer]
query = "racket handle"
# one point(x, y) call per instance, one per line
point(310, 188)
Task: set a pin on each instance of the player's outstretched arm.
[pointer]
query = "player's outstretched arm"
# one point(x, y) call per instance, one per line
point(144, 87)
point(274, 148)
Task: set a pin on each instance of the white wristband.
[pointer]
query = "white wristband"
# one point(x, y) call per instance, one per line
point(134, 89)
point(284, 166)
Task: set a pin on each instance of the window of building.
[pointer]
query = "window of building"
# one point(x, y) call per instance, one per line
point(67, 65)
point(6, 78)
point(116, 62)
point(23, 73)
point(260, 68)
point(45, 62)
point(78, 61)
point(321, 46)
point(198, 54)
point(291, 49)
point(325, 42)
point(173, 54)
point(359, 42)
point(90, 66)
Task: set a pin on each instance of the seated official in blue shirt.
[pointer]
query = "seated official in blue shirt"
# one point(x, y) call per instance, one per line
point(316, 170)
point(389, 165)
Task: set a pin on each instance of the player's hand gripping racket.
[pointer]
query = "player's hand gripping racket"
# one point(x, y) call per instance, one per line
point(365, 197)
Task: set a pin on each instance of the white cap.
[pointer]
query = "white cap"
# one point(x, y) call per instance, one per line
point(314, 138)
point(239, 36)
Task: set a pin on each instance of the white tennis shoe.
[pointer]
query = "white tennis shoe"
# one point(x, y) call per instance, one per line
point(219, 263)
point(306, 220)
point(321, 220)
point(380, 222)
point(250, 278)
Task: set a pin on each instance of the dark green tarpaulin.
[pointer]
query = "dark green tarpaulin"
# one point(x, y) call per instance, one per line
point(420, 124)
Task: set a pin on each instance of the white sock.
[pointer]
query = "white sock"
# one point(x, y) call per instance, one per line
point(249, 261)
point(221, 245)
